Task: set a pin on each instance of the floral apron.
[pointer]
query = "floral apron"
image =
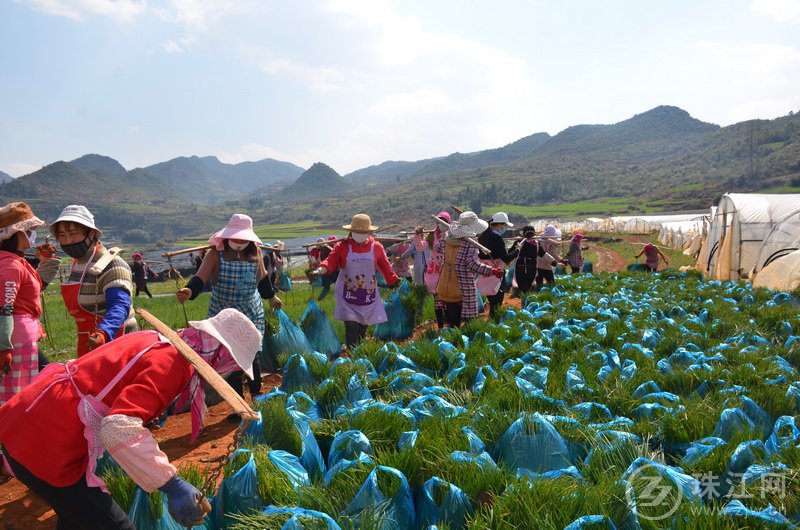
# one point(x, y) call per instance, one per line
point(356, 290)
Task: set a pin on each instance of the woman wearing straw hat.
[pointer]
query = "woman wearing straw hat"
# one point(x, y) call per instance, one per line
point(54, 430)
point(98, 291)
point(234, 267)
point(21, 308)
point(358, 301)
point(461, 259)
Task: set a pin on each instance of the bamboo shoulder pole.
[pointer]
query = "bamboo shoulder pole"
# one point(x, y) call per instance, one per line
point(469, 240)
point(216, 381)
point(209, 247)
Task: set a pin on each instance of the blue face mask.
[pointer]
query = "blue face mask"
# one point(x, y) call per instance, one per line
point(501, 231)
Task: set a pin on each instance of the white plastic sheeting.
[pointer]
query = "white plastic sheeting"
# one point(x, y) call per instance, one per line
point(782, 274)
point(783, 239)
point(741, 222)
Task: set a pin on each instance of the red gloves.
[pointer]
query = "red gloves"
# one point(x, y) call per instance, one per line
point(96, 339)
point(5, 361)
point(498, 272)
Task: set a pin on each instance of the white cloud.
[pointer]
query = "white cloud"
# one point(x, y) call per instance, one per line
point(181, 45)
point(119, 10)
point(199, 14)
point(753, 58)
point(781, 10)
point(320, 79)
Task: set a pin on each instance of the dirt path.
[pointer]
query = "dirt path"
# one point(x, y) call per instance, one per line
point(22, 510)
point(607, 260)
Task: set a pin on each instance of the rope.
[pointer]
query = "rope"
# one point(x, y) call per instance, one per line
point(178, 285)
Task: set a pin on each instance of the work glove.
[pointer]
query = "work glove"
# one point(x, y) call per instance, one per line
point(5, 361)
point(515, 244)
point(184, 502)
point(96, 339)
point(275, 302)
point(498, 272)
point(48, 268)
point(554, 263)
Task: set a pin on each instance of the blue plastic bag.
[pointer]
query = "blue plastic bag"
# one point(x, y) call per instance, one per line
point(453, 508)
point(400, 321)
point(291, 467)
point(319, 330)
point(141, 516)
point(288, 340)
point(296, 375)
point(311, 456)
point(533, 443)
point(348, 445)
point(237, 493)
point(284, 282)
point(302, 402)
point(389, 509)
point(298, 514)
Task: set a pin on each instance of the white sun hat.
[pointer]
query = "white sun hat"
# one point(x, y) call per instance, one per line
point(551, 232)
point(76, 213)
point(500, 218)
point(236, 333)
point(467, 225)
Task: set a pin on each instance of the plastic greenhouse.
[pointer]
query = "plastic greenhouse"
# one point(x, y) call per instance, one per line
point(741, 222)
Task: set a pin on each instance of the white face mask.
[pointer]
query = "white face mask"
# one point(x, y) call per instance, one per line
point(31, 237)
point(238, 247)
point(360, 238)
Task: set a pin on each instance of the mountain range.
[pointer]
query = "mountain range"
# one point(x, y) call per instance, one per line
point(662, 159)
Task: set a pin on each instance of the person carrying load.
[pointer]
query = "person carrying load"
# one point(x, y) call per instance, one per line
point(100, 284)
point(54, 430)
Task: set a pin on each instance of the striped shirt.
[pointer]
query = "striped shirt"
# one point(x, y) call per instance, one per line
point(92, 296)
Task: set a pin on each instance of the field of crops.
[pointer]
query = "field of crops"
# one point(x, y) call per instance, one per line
point(616, 401)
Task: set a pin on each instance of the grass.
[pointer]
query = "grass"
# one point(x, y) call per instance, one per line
point(596, 207)
point(717, 324)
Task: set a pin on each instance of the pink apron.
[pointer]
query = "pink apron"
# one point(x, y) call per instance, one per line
point(25, 360)
point(91, 409)
point(356, 290)
point(434, 267)
point(489, 285)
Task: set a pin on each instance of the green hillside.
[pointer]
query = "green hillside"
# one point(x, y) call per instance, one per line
point(659, 160)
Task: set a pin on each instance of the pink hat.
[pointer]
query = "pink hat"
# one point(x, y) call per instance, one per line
point(234, 331)
point(444, 215)
point(239, 227)
point(577, 237)
point(137, 256)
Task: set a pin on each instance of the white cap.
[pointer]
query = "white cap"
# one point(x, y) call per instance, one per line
point(500, 218)
point(236, 333)
point(76, 213)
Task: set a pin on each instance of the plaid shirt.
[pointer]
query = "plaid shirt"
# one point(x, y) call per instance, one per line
point(467, 269)
point(575, 255)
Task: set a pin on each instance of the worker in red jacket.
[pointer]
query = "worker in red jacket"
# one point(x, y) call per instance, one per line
point(357, 258)
point(56, 428)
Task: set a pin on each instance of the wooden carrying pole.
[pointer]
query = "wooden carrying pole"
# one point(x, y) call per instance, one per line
point(337, 240)
point(207, 247)
point(469, 240)
point(216, 381)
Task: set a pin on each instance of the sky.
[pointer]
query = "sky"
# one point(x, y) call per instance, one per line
point(353, 83)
